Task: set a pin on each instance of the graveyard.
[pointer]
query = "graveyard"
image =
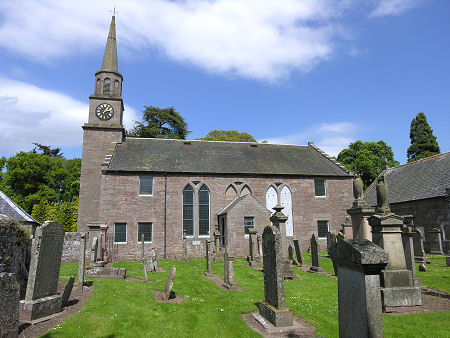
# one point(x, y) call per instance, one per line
point(128, 308)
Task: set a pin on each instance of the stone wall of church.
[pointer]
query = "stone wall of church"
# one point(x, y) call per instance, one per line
point(121, 202)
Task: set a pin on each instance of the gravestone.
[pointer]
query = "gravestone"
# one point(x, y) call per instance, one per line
point(82, 260)
point(208, 262)
point(359, 296)
point(315, 255)
point(396, 279)
point(278, 220)
point(447, 260)
point(216, 242)
point(169, 283)
point(228, 266)
point(298, 252)
point(291, 255)
point(9, 305)
point(94, 249)
point(408, 248)
point(67, 291)
point(151, 264)
point(273, 308)
point(435, 241)
point(104, 251)
point(41, 299)
point(185, 250)
point(251, 258)
point(259, 245)
point(419, 251)
point(331, 246)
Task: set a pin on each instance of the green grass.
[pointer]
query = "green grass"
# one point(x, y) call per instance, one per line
point(129, 309)
point(439, 259)
point(436, 277)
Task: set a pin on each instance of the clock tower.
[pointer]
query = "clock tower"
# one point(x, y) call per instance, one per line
point(103, 129)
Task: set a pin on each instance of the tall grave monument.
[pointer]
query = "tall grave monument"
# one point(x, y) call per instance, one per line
point(396, 279)
point(360, 212)
point(279, 219)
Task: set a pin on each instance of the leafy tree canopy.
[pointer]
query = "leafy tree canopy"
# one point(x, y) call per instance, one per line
point(160, 123)
point(367, 159)
point(46, 150)
point(31, 177)
point(228, 135)
point(423, 142)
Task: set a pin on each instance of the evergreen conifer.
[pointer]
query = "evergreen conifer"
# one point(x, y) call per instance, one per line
point(423, 142)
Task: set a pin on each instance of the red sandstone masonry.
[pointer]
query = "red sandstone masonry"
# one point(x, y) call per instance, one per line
point(120, 202)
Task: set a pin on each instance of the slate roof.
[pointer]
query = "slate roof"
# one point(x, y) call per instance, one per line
point(232, 204)
point(11, 209)
point(207, 157)
point(425, 178)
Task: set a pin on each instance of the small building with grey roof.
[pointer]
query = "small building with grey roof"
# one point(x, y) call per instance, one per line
point(9, 208)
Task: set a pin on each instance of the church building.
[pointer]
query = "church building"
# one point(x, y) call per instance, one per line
point(162, 188)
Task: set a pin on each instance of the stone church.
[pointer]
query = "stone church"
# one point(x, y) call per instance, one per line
point(162, 188)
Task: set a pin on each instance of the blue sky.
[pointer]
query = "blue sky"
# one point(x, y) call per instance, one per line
point(286, 71)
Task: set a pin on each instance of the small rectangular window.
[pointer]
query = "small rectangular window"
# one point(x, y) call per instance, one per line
point(145, 185)
point(120, 232)
point(249, 222)
point(146, 230)
point(319, 187)
point(322, 229)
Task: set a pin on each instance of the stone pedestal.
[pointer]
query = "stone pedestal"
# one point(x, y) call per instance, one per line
point(217, 243)
point(42, 307)
point(105, 256)
point(408, 248)
point(228, 265)
point(208, 261)
point(359, 296)
point(252, 248)
point(278, 317)
point(360, 227)
point(434, 241)
point(396, 280)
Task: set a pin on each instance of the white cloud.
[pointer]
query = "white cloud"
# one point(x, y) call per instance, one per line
point(30, 114)
point(392, 7)
point(330, 137)
point(260, 39)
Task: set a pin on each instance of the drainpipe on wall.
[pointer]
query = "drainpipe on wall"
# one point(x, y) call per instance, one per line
point(165, 215)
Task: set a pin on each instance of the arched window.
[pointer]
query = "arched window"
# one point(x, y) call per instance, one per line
point(97, 86)
point(246, 190)
point(286, 202)
point(231, 191)
point(271, 199)
point(188, 210)
point(106, 85)
point(203, 211)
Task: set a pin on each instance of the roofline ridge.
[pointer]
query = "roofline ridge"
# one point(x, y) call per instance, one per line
point(17, 208)
point(109, 155)
point(196, 140)
point(312, 145)
point(422, 159)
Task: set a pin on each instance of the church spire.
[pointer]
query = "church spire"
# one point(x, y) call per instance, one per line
point(110, 56)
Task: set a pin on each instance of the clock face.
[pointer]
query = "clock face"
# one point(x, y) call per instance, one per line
point(104, 111)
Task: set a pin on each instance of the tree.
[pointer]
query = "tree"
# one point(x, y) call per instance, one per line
point(160, 123)
point(46, 150)
point(31, 178)
point(228, 135)
point(71, 184)
point(367, 159)
point(423, 142)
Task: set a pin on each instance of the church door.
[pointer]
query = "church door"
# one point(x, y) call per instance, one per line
point(223, 230)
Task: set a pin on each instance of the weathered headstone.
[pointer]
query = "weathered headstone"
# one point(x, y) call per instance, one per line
point(422, 267)
point(435, 241)
point(9, 305)
point(419, 251)
point(291, 255)
point(67, 291)
point(278, 220)
point(408, 248)
point(259, 245)
point(315, 255)
point(216, 242)
point(151, 264)
point(359, 297)
point(397, 283)
point(228, 266)
point(252, 252)
point(142, 247)
point(331, 246)
point(105, 253)
point(359, 212)
point(273, 307)
point(298, 252)
point(169, 283)
point(94, 249)
point(185, 250)
point(41, 299)
point(82, 260)
point(208, 261)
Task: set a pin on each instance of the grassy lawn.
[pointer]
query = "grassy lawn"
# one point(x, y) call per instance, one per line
point(124, 308)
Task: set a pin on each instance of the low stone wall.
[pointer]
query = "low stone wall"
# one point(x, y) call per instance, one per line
point(71, 247)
